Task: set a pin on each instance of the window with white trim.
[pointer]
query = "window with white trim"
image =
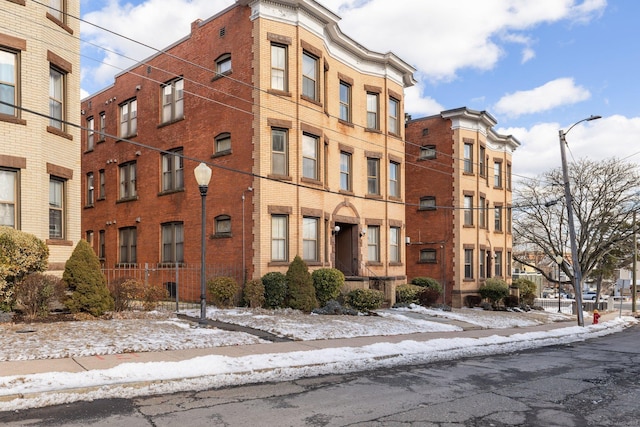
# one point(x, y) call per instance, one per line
point(56, 98)
point(173, 100)
point(373, 243)
point(56, 207)
point(223, 143)
point(373, 111)
point(90, 189)
point(173, 170)
point(279, 156)
point(279, 67)
point(279, 237)
point(173, 242)
point(8, 197)
point(394, 179)
point(129, 118)
point(90, 133)
point(345, 101)
point(128, 245)
point(9, 82)
point(394, 245)
point(310, 238)
point(310, 156)
point(345, 171)
point(394, 111)
point(310, 76)
point(373, 176)
point(128, 180)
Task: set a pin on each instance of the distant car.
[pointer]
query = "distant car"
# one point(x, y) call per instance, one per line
point(591, 296)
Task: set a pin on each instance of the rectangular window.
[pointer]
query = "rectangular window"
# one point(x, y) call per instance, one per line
point(498, 264)
point(173, 101)
point(508, 219)
point(172, 170)
point(373, 108)
point(8, 82)
point(394, 179)
point(90, 133)
point(394, 111)
point(279, 238)
point(310, 240)
point(89, 238)
point(103, 127)
point(279, 158)
point(507, 271)
point(56, 208)
point(482, 213)
point(427, 203)
point(223, 64)
point(482, 166)
point(497, 174)
point(56, 98)
point(223, 226)
point(279, 67)
point(468, 158)
point(497, 212)
point(468, 263)
point(8, 198)
point(468, 210)
point(427, 152)
point(223, 143)
point(173, 242)
point(310, 76)
point(394, 244)
point(373, 243)
point(56, 9)
point(345, 171)
point(90, 190)
point(481, 263)
point(101, 244)
point(128, 241)
point(428, 256)
point(101, 192)
point(309, 156)
point(345, 101)
point(373, 176)
point(128, 181)
point(129, 118)
point(508, 176)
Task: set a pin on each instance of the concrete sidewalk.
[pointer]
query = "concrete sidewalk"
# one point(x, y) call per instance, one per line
point(101, 362)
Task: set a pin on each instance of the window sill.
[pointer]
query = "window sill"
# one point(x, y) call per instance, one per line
point(346, 192)
point(395, 264)
point(395, 198)
point(428, 262)
point(426, 209)
point(373, 263)
point(59, 23)
point(279, 92)
point(125, 137)
point(56, 131)
point(468, 226)
point(20, 2)
point(127, 199)
point(278, 264)
point(219, 76)
point(221, 154)
point(59, 242)
point(167, 192)
point(372, 130)
point(346, 123)
point(373, 196)
point(280, 177)
point(311, 181)
point(170, 122)
point(89, 206)
point(221, 236)
point(311, 100)
point(12, 119)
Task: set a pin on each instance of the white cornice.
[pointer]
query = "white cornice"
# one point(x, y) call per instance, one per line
point(322, 22)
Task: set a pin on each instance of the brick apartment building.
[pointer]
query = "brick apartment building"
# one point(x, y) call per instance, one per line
point(40, 182)
point(302, 127)
point(458, 195)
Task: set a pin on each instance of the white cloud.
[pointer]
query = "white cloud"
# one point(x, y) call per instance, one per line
point(419, 105)
point(562, 91)
point(613, 136)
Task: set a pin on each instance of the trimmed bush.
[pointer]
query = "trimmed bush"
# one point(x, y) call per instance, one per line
point(527, 289)
point(20, 254)
point(223, 290)
point(88, 286)
point(427, 282)
point(124, 292)
point(408, 294)
point(494, 290)
point(472, 301)
point(36, 291)
point(511, 301)
point(152, 295)
point(428, 296)
point(327, 283)
point(275, 289)
point(253, 293)
point(365, 300)
point(301, 295)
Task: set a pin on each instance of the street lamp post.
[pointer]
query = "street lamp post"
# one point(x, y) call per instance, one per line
point(203, 176)
point(577, 272)
point(559, 259)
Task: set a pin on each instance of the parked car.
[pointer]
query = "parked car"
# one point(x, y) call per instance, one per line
point(591, 296)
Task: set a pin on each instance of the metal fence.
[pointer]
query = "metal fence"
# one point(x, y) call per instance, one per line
point(568, 306)
point(181, 281)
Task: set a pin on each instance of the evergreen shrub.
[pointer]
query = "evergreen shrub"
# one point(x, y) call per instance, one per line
point(365, 300)
point(301, 295)
point(223, 290)
point(275, 289)
point(327, 282)
point(253, 293)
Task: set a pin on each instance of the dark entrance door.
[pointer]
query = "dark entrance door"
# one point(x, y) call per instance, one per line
point(345, 244)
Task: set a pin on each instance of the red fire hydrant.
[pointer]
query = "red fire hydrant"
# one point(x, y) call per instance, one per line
point(596, 317)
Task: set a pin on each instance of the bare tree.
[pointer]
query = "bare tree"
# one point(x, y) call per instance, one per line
point(605, 196)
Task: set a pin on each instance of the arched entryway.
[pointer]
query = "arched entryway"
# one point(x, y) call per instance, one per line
point(345, 237)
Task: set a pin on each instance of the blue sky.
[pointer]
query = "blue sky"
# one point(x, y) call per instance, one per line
point(536, 66)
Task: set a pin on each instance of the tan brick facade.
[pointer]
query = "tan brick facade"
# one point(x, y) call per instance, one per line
point(442, 228)
point(244, 104)
point(33, 151)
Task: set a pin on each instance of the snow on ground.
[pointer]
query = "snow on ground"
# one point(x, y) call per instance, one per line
point(163, 331)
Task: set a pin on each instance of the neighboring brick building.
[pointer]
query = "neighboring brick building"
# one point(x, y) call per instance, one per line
point(40, 153)
point(458, 195)
point(301, 125)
